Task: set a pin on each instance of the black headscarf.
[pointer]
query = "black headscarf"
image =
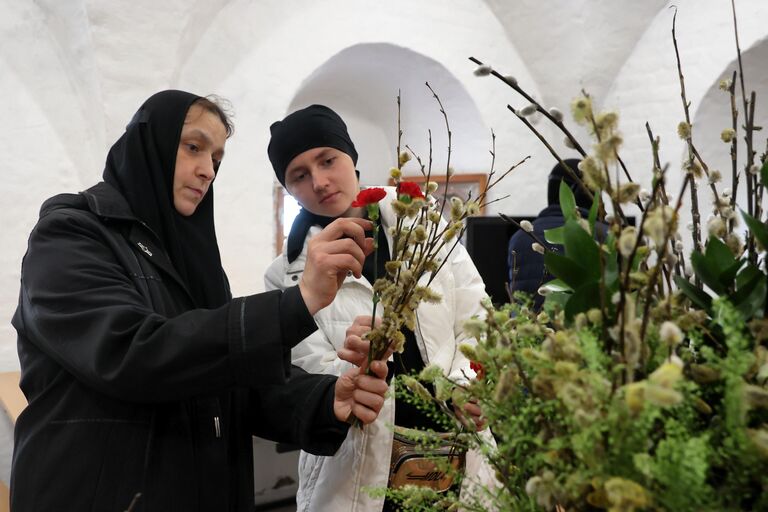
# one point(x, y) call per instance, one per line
point(315, 126)
point(141, 166)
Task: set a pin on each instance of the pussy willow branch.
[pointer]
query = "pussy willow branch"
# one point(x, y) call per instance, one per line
point(689, 179)
point(656, 161)
point(539, 108)
point(617, 209)
point(492, 183)
point(556, 122)
point(694, 192)
point(480, 200)
point(448, 160)
point(552, 151)
point(134, 502)
point(531, 234)
point(628, 261)
point(399, 132)
point(749, 119)
point(734, 149)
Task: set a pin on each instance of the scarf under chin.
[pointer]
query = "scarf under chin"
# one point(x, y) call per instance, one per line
point(301, 225)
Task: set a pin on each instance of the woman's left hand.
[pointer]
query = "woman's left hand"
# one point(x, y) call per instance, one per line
point(356, 347)
point(471, 415)
point(361, 396)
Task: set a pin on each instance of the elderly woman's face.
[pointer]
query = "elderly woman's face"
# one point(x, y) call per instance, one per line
point(201, 148)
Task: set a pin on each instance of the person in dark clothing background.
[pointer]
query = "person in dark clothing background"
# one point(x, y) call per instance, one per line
point(526, 267)
point(145, 379)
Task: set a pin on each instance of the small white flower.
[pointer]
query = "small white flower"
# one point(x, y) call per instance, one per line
point(483, 70)
point(526, 226)
point(688, 272)
point(527, 110)
point(615, 298)
point(670, 259)
point(531, 485)
point(679, 246)
point(511, 80)
point(726, 192)
point(556, 114)
point(716, 227)
point(537, 247)
point(754, 169)
point(670, 334)
point(644, 195)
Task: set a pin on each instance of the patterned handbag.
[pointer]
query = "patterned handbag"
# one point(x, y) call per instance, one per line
point(414, 464)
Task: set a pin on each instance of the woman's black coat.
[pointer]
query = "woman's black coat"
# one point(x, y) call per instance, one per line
point(131, 390)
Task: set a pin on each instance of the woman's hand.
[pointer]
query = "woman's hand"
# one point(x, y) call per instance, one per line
point(470, 415)
point(360, 396)
point(337, 250)
point(356, 348)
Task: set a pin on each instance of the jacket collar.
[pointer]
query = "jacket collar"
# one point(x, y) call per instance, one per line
point(106, 201)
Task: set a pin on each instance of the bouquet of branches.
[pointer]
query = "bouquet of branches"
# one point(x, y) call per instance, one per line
point(643, 382)
point(423, 238)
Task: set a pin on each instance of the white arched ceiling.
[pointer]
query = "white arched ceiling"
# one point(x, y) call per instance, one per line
point(49, 54)
point(572, 44)
point(714, 115)
point(648, 89)
point(362, 83)
point(262, 69)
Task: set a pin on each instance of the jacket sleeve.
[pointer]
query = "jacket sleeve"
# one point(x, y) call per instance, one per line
point(299, 412)
point(80, 307)
point(315, 353)
point(469, 291)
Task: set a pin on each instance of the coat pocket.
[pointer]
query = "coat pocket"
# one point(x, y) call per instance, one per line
point(109, 468)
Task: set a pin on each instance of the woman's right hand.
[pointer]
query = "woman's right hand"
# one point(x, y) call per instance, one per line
point(339, 249)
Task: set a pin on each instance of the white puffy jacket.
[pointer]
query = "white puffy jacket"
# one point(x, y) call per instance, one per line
point(337, 483)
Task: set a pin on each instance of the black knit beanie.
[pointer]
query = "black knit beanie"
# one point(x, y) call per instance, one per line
point(559, 174)
point(316, 126)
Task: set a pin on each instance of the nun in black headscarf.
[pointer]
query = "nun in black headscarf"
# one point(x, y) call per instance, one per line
point(145, 379)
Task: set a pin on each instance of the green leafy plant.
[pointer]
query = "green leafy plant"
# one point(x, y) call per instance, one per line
point(642, 384)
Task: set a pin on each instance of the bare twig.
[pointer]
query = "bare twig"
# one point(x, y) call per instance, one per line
point(694, 192)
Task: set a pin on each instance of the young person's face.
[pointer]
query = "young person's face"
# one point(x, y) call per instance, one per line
point(323, 181)
point(201, 148)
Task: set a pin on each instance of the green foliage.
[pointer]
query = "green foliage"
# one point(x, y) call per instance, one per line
point(644, 383)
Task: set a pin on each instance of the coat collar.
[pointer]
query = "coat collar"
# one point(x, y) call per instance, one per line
point(106, 201)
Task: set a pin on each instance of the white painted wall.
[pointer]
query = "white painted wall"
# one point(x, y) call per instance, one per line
point(72, 73)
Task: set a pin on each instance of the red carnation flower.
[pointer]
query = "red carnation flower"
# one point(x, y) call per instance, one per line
point(369, 196)
point(478, 369)
point(409, 188)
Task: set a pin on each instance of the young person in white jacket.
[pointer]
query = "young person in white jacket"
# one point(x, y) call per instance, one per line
point(314, 159)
